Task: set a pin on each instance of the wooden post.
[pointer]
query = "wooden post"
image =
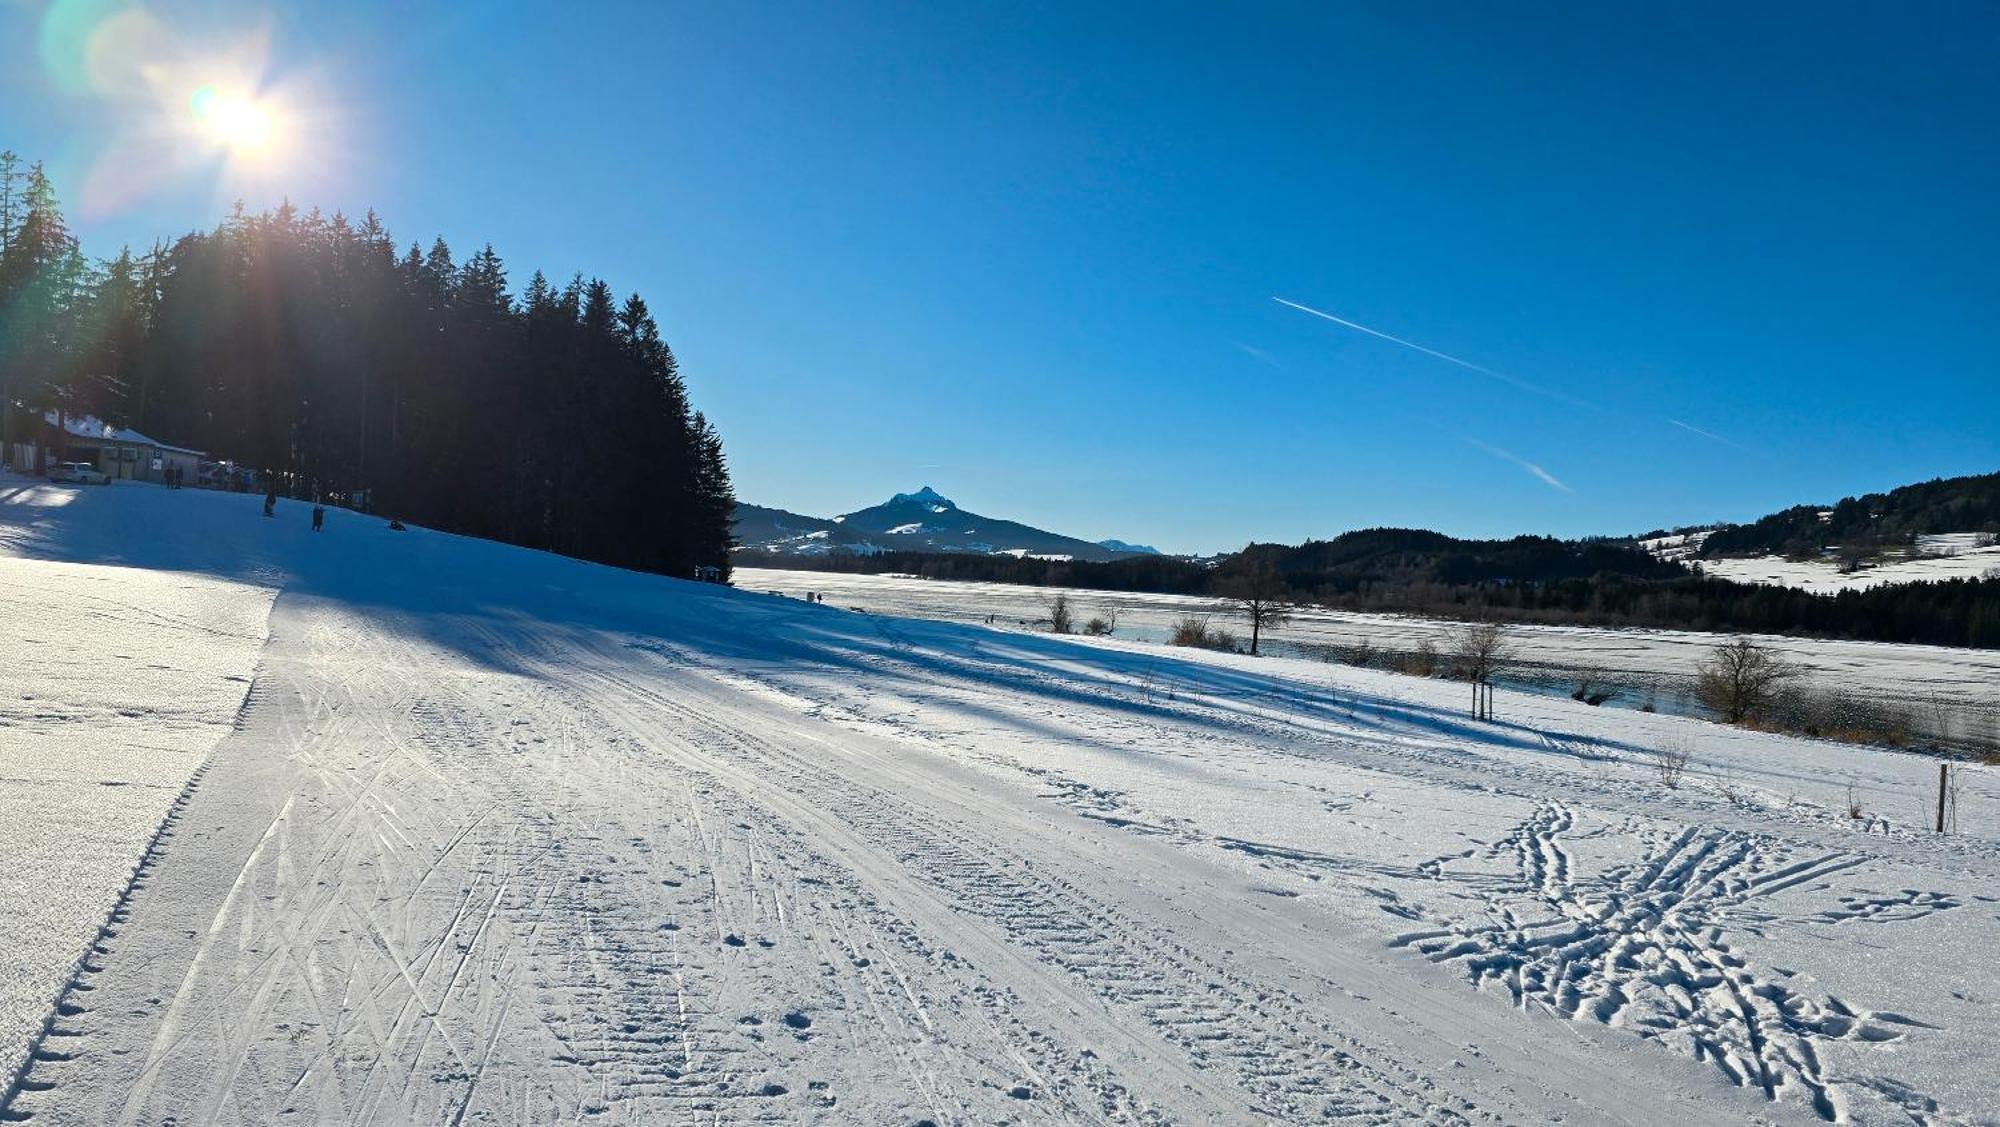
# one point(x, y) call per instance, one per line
point(1944, 784)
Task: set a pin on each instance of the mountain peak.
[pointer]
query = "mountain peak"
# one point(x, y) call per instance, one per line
point(924, 496)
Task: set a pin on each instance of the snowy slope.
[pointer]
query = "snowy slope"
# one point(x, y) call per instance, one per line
point(1950, 555)
point(1944, 556)
point(502, 837)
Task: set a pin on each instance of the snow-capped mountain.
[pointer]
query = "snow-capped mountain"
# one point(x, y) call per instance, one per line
point(923, 521)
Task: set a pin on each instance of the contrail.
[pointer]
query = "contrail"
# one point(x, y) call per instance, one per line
point(1501, 376)
point(1710, 435)
point(1255, 353)
point(1546, 477)
point(1445, 356)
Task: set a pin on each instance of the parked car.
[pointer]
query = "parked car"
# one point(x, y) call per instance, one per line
point(79, 473)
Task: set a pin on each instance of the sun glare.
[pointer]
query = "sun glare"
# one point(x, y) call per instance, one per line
point(230, 120)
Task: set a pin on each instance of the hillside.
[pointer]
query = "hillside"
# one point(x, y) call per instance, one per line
point(1869, 525)
point(461, 832)
point(1379, 557)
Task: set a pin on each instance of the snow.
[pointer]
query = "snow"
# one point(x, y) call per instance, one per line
point(1945, 556)
point(90, 426)
point(115, 684)
point(500, 836)
point(928, 497)
point(1682, 546)
point(905, 529)
point(1917, 678)
point(1951, 555)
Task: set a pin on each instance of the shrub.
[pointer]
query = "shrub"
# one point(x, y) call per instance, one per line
point(1420, 662)
point(1201, 634)
point(1670, 759)
point(1592, 689)
point(1061, 620)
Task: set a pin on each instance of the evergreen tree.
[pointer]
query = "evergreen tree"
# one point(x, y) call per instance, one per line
point(304, 345)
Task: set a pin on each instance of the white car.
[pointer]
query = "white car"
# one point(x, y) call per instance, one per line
point(79, 473)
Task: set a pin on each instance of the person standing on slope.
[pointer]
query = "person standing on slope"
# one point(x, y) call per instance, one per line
point(319, 516)
point(271, 497)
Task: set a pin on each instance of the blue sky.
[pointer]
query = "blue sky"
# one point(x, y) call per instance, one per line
point(1028, 255)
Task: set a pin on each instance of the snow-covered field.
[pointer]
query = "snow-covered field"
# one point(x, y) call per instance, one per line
point(1920, 679)
point(500, 837)
point(1948, 556)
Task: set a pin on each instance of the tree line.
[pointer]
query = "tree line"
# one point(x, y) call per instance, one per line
point(306, 347)
point(1527, 579)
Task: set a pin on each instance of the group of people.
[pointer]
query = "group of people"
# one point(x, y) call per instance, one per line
point(271, 507)
point(173, 476)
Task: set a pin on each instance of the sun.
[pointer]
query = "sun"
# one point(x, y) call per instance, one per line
point(232, 121)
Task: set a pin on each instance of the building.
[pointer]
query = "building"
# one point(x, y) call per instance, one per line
point(120, 453)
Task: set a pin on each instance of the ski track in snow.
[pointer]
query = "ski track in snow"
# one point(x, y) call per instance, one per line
point(511, 839)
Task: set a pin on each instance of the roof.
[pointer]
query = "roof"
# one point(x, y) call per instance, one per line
point(90, 426)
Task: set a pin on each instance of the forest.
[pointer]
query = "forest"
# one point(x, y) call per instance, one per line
point(411, 384)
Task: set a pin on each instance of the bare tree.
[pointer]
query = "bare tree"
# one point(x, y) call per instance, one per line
point(1478, 650)
point(1259, 594)
point(1741, 679)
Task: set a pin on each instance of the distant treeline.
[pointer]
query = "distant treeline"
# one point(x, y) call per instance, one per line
point(304, 346)
point(1860, 524)
point(1527, 579)
point(1165, 575)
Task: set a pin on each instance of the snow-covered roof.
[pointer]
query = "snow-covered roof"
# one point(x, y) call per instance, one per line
point(90, 426)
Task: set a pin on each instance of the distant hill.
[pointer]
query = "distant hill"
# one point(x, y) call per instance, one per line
point(1867, 525)
point(923, 521)
point(776, 530)
point(1134, 549)
point(1379, 558)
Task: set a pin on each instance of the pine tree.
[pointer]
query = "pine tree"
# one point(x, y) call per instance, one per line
point(10, 200)
point(38, 276)
point(303, 344)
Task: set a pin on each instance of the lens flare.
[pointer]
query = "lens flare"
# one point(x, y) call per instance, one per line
point(175, 107)
point(229, 120)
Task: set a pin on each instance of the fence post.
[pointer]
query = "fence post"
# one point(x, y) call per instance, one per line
point(1482, 700)
point(1944, 784)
